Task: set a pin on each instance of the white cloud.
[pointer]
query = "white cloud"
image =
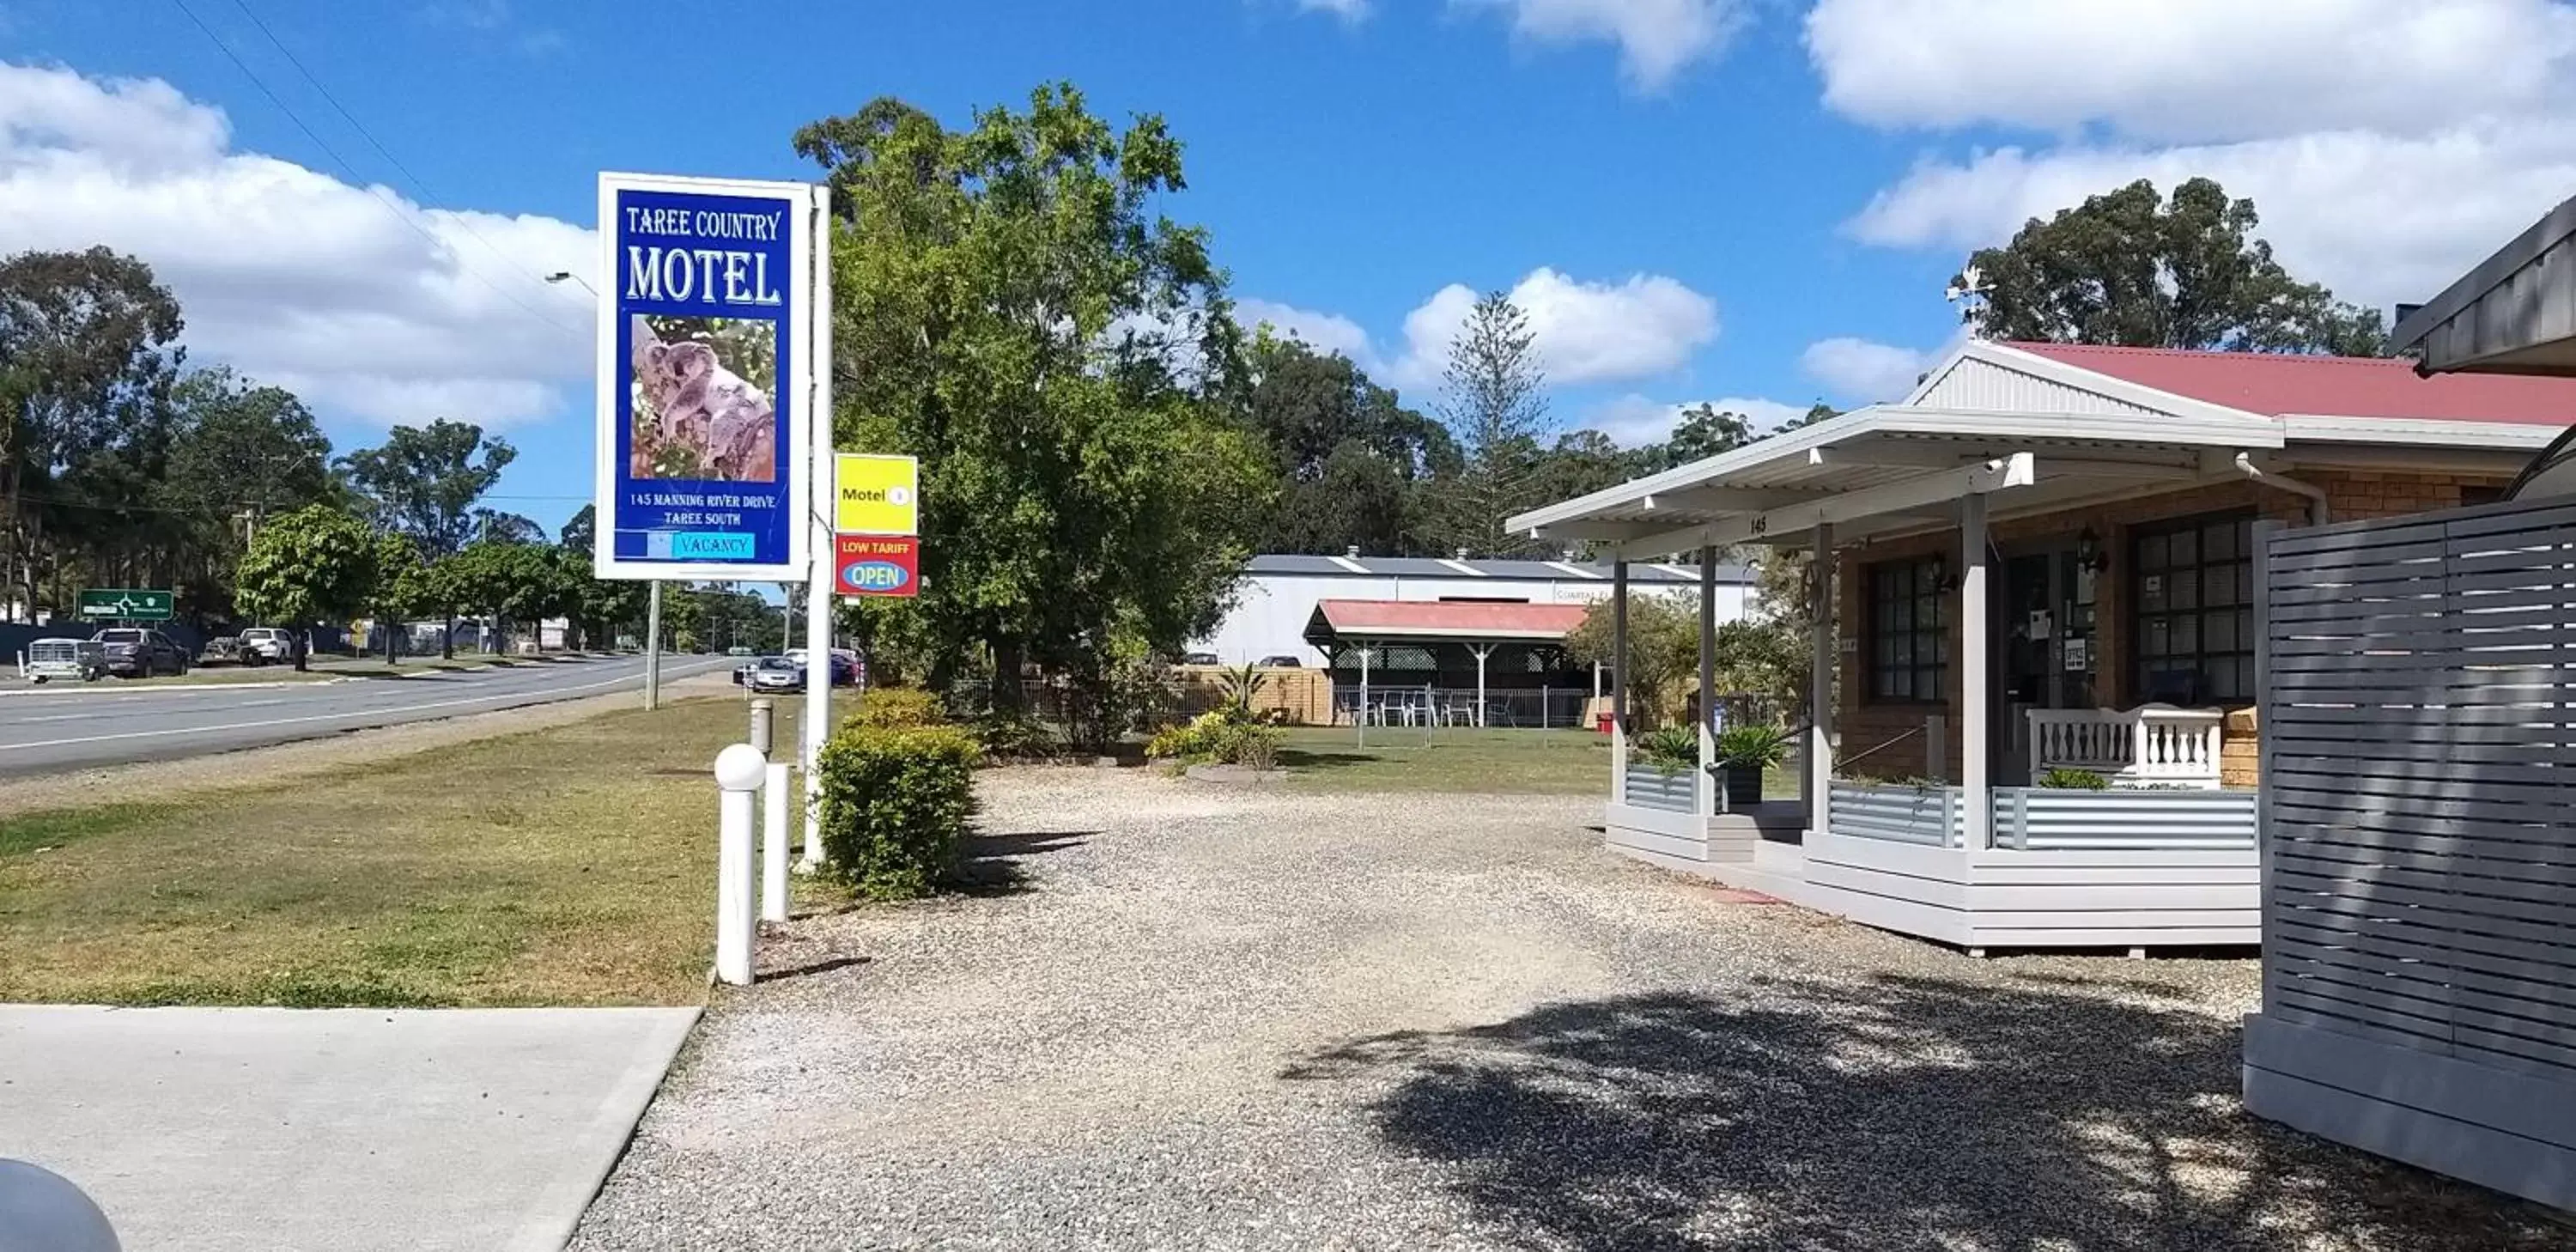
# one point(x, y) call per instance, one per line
point(294, 276)
point(1347, 10)
point(2389, 144)
point(1633, 420)
point(2376, 218)
point(1656, 38)
point(1325, 332)
point(2192, 70)
point(1862, 370)
point(1584, 332)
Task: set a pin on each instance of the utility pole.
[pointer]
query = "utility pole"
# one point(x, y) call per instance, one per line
point(653, 646)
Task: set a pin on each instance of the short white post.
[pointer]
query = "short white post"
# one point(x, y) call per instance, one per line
point(773, 843)
point(739, 771)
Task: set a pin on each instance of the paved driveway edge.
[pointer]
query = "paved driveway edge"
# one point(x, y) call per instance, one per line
point(552, 1220)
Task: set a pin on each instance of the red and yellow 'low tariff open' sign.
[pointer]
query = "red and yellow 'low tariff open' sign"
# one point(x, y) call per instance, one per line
point(876, 565)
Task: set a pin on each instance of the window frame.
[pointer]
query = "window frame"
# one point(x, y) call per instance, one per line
point(1922, 578)
point(2199, 613)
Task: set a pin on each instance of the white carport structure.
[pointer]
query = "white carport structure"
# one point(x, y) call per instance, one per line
point(1994, 434)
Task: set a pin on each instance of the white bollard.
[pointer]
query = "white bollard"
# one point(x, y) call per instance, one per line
point(739, 769)
point(773, 844)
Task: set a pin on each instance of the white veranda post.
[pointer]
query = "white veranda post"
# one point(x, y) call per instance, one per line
point(819, 589)
point(1619, 681)
point(1975, 740)
point(1820, 676)
point(1707, 788)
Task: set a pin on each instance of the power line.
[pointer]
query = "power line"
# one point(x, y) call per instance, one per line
point(355, 177)
point(427, 192)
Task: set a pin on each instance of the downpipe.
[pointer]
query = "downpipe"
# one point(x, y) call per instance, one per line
point(2318, 514)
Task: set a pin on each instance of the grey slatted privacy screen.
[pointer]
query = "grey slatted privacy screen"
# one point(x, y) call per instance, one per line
point(2418, 731)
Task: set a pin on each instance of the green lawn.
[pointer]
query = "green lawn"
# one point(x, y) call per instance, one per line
point(572, 865)
point(1505, 762)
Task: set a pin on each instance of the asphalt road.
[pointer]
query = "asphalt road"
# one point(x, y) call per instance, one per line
point(48, 731)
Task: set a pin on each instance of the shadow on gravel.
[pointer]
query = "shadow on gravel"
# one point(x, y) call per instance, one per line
point(1906, 1113)
point(812, 968)
point(991, 865)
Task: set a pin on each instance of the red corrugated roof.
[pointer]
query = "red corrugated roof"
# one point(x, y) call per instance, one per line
point(1463, 619)
point(2326, 386)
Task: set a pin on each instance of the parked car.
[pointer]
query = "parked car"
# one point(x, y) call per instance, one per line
point(1282, 662)
point(224, 650)
point(1198, 658)
point(133, 652)
point(845, 665)
point(268, 643)
point(774, 673)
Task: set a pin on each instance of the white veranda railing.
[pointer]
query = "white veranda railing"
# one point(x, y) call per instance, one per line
point(2151, 745)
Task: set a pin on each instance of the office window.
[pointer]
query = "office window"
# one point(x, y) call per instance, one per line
point(1909, 639)
point(2193, 620)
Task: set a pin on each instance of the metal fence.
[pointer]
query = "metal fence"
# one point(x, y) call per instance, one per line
point(1930, 816)
point(1652, 788)
point(2120, 819)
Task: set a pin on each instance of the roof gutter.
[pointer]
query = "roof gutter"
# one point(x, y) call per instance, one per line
point(2318, 514)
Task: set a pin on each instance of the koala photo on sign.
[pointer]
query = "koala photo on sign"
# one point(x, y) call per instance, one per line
point(702, 399)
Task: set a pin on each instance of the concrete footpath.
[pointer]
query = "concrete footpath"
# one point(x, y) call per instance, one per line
point(332, 1130)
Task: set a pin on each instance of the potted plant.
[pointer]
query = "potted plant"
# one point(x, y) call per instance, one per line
point(1743, 752)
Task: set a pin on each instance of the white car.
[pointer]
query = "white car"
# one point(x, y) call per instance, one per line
point(269, 643)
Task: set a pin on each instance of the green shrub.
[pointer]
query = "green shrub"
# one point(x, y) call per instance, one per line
point(1752, 746)
point(2073, 780)
point(1017, 736)
point(1671, 748)
point(897, 707)
point(894, 805)
point(1217, 738)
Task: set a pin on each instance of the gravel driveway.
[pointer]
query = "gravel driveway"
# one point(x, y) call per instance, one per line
point(1176, 1015)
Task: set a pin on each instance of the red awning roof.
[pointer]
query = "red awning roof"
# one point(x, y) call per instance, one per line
point(1448, 619)
point(2273, 384)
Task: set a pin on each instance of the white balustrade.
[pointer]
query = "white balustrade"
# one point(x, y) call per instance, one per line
point(2151, 745)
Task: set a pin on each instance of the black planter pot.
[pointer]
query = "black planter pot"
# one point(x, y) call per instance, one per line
point(1740, 786)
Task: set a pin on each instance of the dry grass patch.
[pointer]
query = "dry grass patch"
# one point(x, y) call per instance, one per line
point(571, 865)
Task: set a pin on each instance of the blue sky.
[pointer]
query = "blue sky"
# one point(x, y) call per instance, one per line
point(1746, 201)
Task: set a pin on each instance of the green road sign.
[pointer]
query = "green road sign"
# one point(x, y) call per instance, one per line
point(125, 603)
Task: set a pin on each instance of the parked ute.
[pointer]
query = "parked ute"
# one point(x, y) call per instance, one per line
point(133, 652)
point(268, 643)
point(223, 650)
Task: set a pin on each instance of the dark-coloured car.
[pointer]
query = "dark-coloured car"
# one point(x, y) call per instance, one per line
point(1282, 661)
point(133, 652)
point(224, 650)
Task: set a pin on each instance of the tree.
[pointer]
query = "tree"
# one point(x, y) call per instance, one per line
point(1357, 469)
point(2130, 268)
point(580, 531)
point(1010, 307)
point(1704, 432)
point(1663, 651)
point(313, 565)
point(424, 482)
point(1494, 401)
point(87, 347)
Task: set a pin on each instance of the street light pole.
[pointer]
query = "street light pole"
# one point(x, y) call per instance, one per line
point(653, 646)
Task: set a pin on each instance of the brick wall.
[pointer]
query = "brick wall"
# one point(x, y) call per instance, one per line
point(1866, 724)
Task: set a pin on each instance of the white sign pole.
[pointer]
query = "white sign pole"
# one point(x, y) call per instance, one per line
point(820, 576)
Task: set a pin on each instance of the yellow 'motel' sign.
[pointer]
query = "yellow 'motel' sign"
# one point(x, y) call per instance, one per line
point(876, 495)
